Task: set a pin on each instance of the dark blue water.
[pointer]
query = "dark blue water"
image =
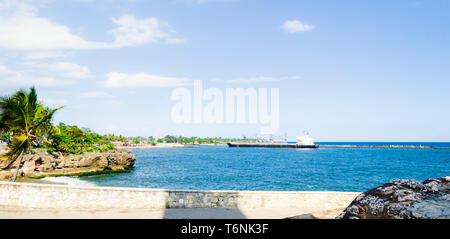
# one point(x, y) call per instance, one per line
point(327, 169)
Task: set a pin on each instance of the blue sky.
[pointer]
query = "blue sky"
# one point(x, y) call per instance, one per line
point(346, 70)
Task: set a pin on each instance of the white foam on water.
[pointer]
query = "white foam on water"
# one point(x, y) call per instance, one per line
point(73, 181)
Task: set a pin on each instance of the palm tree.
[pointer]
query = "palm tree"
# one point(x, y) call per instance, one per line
point(25, 117)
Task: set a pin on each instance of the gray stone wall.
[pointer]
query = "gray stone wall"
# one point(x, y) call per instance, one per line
point(69, 197)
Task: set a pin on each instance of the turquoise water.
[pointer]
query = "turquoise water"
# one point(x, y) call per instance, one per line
point(327, 169)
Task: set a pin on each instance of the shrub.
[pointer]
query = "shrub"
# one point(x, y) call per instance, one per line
point(73, 140)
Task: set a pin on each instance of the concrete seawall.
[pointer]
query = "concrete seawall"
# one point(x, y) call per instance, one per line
point(45, 196)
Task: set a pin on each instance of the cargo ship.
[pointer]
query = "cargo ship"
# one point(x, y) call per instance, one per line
point(303, 142)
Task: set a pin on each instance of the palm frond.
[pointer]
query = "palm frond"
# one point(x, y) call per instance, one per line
point(19, 145)
point(44, 115)
point(23, 114)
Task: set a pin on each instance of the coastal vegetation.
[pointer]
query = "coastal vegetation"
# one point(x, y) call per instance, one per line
point(182, 140)
point(26, 124)
point(73, 140)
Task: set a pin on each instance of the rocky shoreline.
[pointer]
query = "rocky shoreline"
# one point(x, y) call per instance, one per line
point(403, 199)
point(39, 164)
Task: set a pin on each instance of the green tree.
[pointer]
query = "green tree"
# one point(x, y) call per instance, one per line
point(170, 139)
point(73, 140)
point(137, 141)
point(24, 116)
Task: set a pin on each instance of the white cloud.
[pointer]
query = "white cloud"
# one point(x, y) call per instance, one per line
point(293, 26)
point(22, 29)
point(53, 74)
point(63, 69)
point(23, 80)
point(122, 80)
point(96, 94)
point(131, 31)
point(45, 55)
point(47, 81)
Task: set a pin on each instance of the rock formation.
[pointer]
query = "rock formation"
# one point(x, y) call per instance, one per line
point(40, 163)
point(403, 199)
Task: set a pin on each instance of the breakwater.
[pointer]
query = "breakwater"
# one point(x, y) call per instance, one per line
point(384, 146)
point(37, 196)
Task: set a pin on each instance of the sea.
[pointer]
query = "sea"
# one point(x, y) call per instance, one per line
point(271, 169)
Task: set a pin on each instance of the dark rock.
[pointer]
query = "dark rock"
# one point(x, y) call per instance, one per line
point(403, 199)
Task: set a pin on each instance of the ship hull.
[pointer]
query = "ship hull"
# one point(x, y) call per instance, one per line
point(271, 145)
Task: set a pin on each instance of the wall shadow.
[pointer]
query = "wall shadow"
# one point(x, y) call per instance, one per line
point(202, 205)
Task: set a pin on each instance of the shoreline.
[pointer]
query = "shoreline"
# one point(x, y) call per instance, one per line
point(168, 146)
point(147, 147)
point(36, 181)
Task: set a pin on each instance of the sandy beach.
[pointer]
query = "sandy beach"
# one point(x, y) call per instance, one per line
point(149, 146)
